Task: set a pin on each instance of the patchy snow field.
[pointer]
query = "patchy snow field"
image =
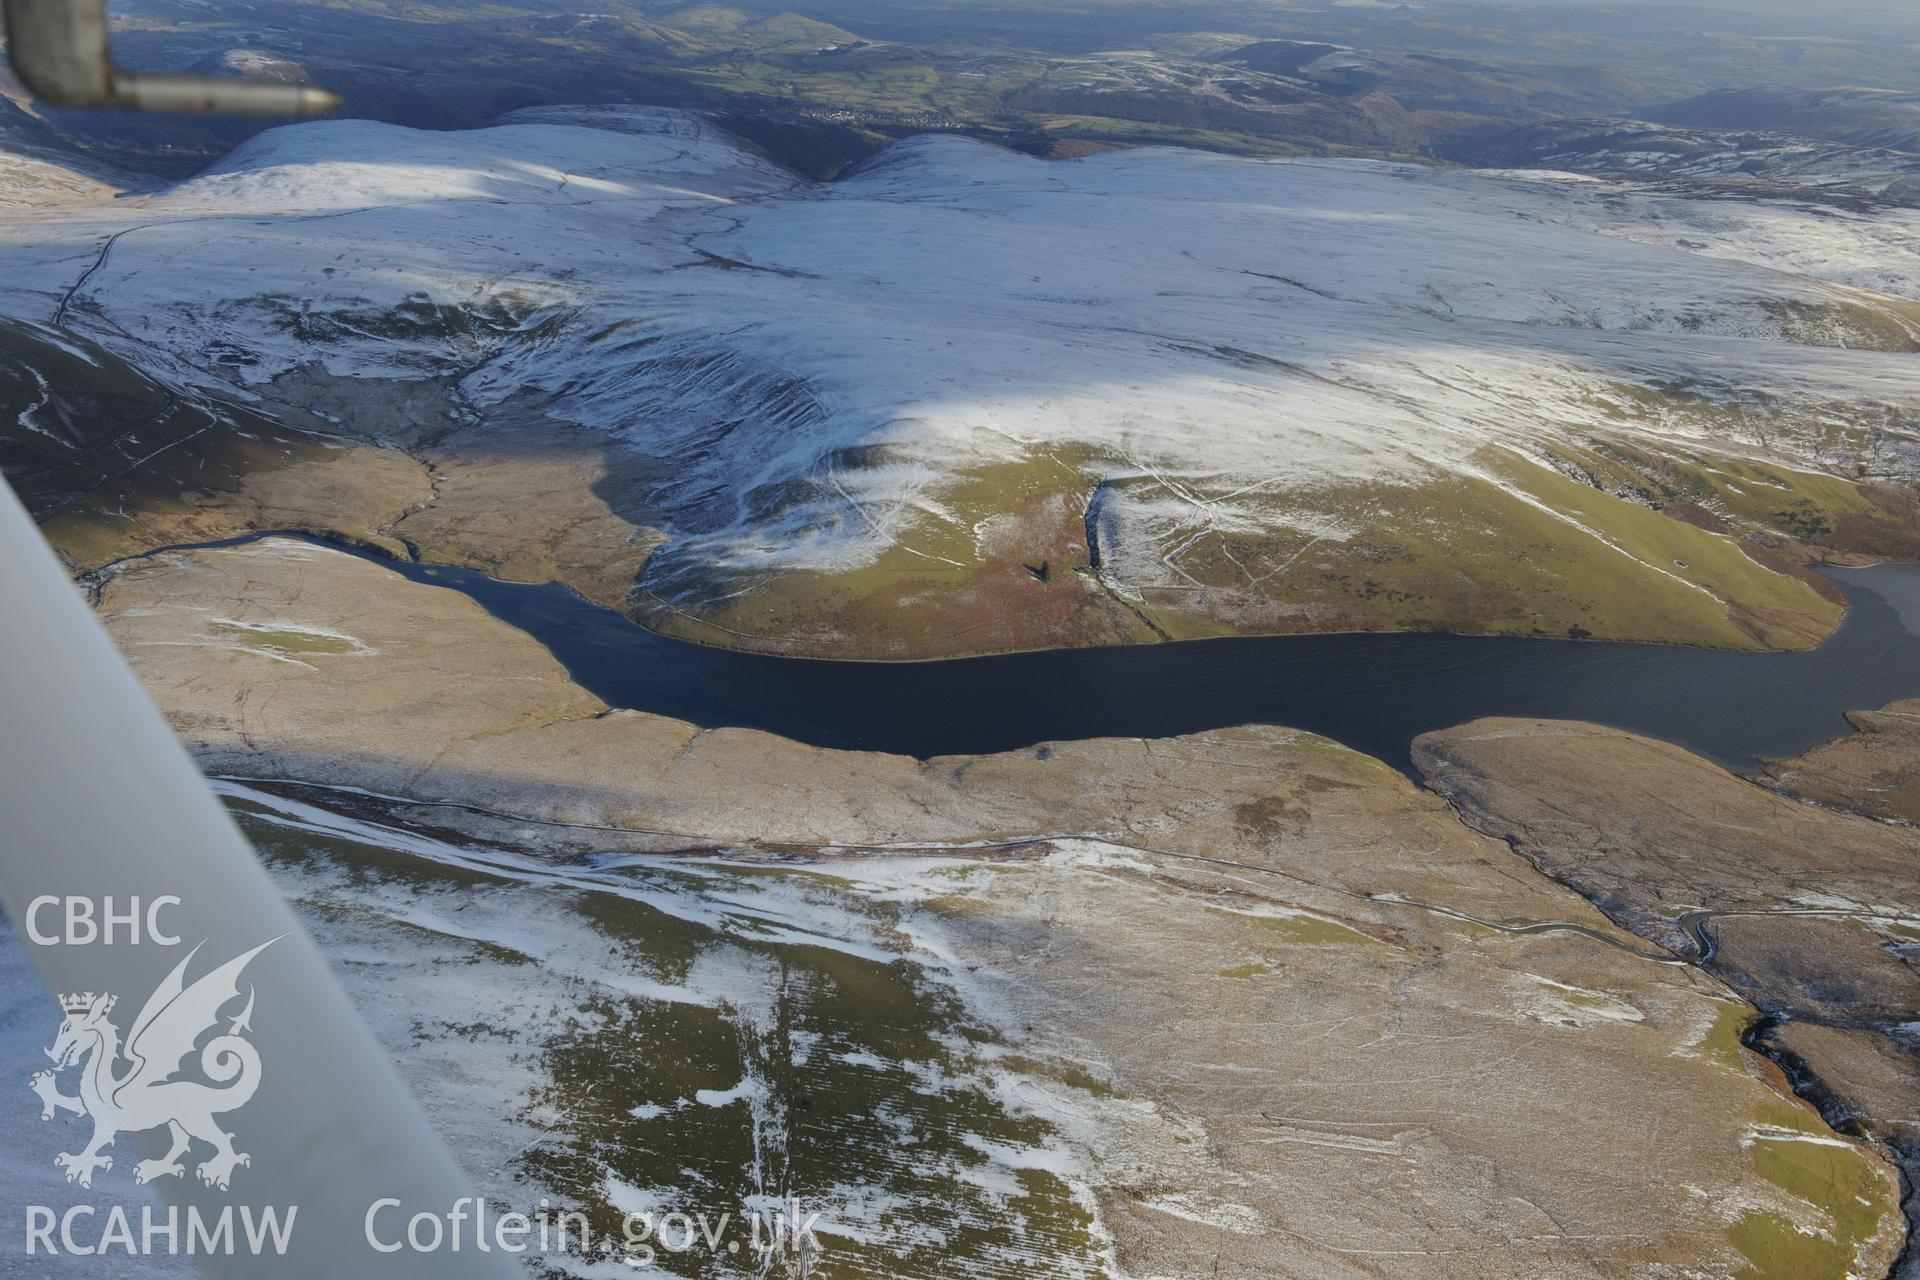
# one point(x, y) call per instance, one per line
point(670, 1035)
point(829, 375)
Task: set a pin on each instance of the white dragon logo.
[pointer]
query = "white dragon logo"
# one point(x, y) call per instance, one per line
point(147, 1095)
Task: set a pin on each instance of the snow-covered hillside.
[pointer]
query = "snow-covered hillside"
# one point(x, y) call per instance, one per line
point(38, 168)
point(962, 362)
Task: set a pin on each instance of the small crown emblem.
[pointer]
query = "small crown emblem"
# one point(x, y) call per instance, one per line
point(82, 1002)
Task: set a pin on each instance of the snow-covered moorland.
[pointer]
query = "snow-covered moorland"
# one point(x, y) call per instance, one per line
point(965, 399)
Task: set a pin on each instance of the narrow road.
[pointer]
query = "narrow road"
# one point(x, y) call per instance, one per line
point(100, 260)
point(1695, 923)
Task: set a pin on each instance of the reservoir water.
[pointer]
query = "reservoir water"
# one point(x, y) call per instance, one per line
point(1372, 692)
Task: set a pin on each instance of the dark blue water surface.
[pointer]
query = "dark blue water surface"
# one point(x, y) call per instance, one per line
point(1372, 692)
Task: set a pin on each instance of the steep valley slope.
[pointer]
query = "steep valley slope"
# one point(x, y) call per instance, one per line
point(963, 400)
